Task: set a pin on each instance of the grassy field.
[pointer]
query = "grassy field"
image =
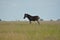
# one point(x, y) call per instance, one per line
point(24, 31)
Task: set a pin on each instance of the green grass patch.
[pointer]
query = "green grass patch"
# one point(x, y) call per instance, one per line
point(26, 31)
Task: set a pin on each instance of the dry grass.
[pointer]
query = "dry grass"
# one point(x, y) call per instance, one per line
point(25, 31)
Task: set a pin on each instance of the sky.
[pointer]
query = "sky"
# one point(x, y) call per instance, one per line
point(11, 10)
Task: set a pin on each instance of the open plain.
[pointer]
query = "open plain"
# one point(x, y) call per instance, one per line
point(16, 30)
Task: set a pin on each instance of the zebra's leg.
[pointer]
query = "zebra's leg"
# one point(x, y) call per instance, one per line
point(30, 22)
point(38, 22)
